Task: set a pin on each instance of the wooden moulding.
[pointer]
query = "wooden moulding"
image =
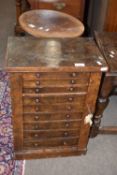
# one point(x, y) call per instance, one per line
point(108, 130)
point(47, 153)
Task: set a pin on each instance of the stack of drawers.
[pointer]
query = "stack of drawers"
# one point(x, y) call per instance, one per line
point(52, 108)
point(53, 95)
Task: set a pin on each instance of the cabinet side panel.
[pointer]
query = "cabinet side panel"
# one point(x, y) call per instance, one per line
point(90, 104)
point(16, 102)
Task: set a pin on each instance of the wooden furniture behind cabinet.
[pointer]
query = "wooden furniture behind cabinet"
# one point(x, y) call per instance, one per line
point(74, 8)
point(53, 92)
point(102, 16)
point(107, 42)
point(111, 17)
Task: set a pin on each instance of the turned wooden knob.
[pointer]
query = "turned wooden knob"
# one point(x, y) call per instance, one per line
point(50, 23)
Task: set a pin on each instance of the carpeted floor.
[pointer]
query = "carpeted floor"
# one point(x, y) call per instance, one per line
point(8, 166)
point(101, 158)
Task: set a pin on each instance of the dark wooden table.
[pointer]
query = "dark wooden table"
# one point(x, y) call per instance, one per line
point(107, 43)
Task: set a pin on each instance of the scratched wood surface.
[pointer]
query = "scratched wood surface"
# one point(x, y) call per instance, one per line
point(36, 54)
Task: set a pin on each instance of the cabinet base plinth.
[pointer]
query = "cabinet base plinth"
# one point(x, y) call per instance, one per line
point(48, 153)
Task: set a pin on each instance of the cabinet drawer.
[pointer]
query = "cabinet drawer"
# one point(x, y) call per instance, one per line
point(54, 108)
point(74, 7)
point(54, 89)
point(52, 125)
point(51, 142)
point(51, 116)
point(34, 135)
point(54, 82)
point(54, 75)
point(41, 99)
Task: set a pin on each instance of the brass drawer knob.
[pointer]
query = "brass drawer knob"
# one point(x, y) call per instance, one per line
point(66, 134)
point(37, 100)
point(60, 5)
point(36, 127)
point(36, 144)
point(38, 75)
point(68, 116)
point(67, 125)
point(37, 83)
point(64, 143)
point(73, 74)
point(37, 90)
point(69, 108)
point(73, 81)
point(71, 89)
point(36, 135)
point(70, 98)
point(36, 117)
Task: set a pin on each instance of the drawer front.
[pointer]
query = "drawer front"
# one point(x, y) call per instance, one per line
point(73, 7)
point(54, 108)
point(54, 82)
point(52, 125)
point(54, 75)
point(38, 99)
point(34, 135)
point(51, 142)
point(51, 116)
point(68, 89)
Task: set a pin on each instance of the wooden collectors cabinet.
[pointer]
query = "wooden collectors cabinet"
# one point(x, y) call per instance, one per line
point(54, 86)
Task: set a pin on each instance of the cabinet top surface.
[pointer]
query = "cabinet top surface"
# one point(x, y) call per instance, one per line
point(107, 42)
point(29, 53)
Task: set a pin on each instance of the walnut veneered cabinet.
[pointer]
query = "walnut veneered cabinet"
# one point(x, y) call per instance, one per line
point(54, 86)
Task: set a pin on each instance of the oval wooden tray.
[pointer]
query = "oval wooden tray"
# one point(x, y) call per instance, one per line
point(50, 23)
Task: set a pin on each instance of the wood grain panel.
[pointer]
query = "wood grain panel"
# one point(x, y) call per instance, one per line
point(17, 113)
point(52, 125)
point(51, 116)
point(60, 98)
point(51, 142)
point(111, 17)
point(34, 135)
